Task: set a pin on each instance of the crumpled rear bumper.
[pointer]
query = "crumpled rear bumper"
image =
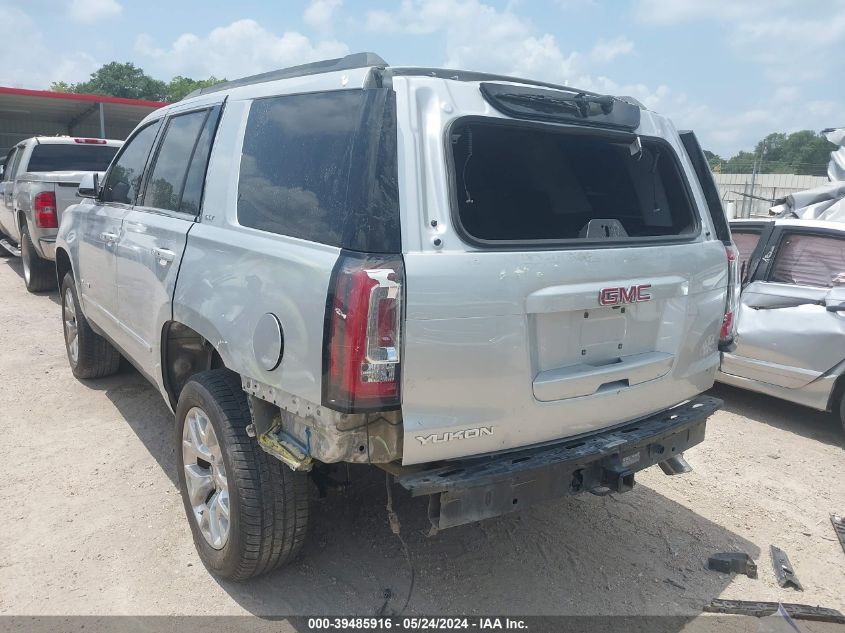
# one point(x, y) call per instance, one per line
point(470, 490)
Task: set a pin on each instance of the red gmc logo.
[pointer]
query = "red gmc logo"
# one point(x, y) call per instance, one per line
point(631, 294)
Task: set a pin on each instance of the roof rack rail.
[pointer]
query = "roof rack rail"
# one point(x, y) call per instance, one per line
point(353, 60)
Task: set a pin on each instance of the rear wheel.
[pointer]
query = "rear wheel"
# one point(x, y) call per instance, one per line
point(38, 274)
point(248, 512)
point(89, 354)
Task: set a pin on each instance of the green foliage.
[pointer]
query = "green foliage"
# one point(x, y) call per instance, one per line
point(179, 87)
point(117, 79)
point(804, 152)
point(123, 80)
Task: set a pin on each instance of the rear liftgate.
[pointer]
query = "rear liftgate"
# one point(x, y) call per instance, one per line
point(474, 489)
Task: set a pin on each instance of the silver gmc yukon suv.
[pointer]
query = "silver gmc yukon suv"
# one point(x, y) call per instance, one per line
point(497, 290)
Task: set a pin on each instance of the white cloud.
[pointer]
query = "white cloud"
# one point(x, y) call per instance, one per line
point(791, 41)
point(319, 14)
point(241, 48)
point(481, 37)
point(41, 65)
point(606, 51)
point(91, 11)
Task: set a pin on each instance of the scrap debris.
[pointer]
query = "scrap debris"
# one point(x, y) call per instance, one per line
point(839, 527)
point(763, 609)
point(783, 569)
point(738, 562)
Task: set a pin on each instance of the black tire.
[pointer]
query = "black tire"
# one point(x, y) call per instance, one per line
point(268, 504)
point(38, 274)
point(842, 409)
point(95, 356)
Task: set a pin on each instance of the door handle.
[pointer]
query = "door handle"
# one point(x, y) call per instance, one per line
point(163, 255)
point(108, 237)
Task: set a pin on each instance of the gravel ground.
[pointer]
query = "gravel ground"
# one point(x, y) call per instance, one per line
point(93, 523)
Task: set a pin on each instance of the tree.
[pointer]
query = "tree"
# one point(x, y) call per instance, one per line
point(179, 87)
point(804, 152)
point(123, 80)
point(61, 86)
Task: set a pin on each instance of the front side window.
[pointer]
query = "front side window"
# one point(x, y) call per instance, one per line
point(167, 179)
point(124, 177)
point(810, 260)
point(518, 183)
point(322, 167)
point(71, 157)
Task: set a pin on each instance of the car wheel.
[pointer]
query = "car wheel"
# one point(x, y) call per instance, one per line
point(38, 274)
point(248, 512)
point(842, 410)
point(89, 354)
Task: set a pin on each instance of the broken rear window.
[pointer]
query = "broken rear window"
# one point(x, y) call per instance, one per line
point(518, 183)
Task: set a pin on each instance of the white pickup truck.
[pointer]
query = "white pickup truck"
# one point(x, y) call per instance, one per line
point(40, 179)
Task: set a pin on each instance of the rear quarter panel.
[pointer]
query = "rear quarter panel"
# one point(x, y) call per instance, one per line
point(232, 275)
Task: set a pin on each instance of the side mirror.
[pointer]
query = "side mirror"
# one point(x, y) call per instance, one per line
point(89, 186)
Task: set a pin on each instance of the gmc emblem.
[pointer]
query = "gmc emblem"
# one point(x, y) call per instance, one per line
point(632, 294)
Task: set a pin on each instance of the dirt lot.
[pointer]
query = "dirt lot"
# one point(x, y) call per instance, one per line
point(93, 523)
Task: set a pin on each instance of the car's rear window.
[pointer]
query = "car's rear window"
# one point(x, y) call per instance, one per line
point(746, 242)
point(516, 183)
point(322, 167)
point(67, 157)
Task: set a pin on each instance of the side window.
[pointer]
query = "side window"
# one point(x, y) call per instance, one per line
point(8, 165)
point(169, 174)
point(16, 161)
point(125, 174)
point(192, 193)
point(322, 167)
point(746, 242)
point(810, 260)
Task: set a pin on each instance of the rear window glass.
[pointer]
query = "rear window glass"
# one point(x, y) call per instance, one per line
point(76, 157)
point(810, 260)
point(322, 167)
point(745, 243)
point(517, 184)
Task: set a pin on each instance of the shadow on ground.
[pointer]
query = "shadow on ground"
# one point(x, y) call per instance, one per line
point(809, 423)
point(622, 554)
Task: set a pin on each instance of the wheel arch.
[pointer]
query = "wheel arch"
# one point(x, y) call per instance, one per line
point(63, 265)
point(185, 351)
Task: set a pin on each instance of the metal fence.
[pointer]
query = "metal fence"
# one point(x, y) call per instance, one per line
point(747, 195)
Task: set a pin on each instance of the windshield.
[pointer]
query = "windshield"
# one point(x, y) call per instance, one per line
point(66, 157)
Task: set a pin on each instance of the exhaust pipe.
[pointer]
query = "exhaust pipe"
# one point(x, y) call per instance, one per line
point(676, 465)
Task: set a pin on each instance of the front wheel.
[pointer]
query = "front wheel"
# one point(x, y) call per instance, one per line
point(248, 512)
point(842, 410)
point(89, 354)
point(38, 273)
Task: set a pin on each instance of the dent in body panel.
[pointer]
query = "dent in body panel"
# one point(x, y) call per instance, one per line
point(231, 278)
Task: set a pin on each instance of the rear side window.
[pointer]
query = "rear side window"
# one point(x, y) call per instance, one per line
point(67, 157)
point(124, 177)
point(517, 184)
point(810, 260)
point(746, 242)
point(186, 142)
point(322, 167)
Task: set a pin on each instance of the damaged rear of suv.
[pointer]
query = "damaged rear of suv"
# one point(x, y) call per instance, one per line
point(499, 291)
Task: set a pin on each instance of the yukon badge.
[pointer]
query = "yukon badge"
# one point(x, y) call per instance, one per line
point(625, 294)
point(448, 436)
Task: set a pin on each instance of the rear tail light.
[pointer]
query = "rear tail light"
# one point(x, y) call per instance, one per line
point(90, 141)
point(728, 329)
point(363, 334)
point(45, 210)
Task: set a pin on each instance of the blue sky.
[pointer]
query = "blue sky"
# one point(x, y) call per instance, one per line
point(733, 70)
